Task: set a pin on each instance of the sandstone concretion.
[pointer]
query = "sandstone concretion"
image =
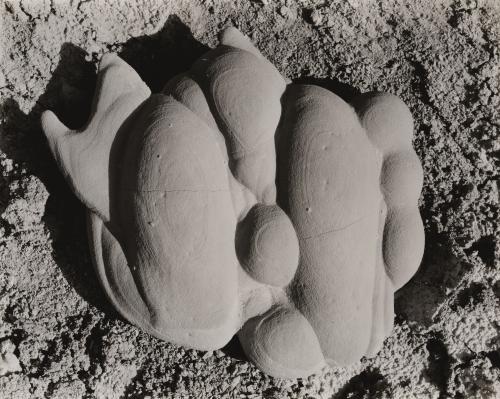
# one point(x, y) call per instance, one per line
point(235, 202)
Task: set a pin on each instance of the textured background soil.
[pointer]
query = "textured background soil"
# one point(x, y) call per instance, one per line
point(59, 338)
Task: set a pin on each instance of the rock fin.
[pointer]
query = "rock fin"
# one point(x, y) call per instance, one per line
point(83, 155)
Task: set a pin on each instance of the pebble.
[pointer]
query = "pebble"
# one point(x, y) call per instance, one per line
point(316, 18)
point(235, 382)
point(9, 363)
point(286, 12)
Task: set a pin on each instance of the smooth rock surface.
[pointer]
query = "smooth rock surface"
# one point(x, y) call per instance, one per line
point(172, 194)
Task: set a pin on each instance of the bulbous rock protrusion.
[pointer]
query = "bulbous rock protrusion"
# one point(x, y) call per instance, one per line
point(330, 178)
point(243, 91)
point(389, 125)
point(269, 338)
point(175, 206)
point(267, 246)
point(188, 238)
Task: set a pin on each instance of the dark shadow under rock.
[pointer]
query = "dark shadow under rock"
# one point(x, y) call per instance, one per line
point(439, 272)
point(234, 349)
point(159, 57)
point(368, 384)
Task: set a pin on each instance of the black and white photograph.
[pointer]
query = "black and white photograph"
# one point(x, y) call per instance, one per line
point(249, 199)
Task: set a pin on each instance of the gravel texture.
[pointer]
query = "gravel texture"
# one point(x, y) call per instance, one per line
point(59, 338)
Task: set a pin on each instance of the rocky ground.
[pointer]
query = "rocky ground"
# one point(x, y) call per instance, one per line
point(59, 338)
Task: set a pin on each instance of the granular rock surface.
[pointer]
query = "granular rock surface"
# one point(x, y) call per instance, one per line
point(59, 337)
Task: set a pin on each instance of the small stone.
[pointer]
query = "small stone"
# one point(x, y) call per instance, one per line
point(9, 363)
point(235, 382)
point(316, 18)
point(7, 164)
point(7, 346)
point(244, 367)
point(285, 12)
